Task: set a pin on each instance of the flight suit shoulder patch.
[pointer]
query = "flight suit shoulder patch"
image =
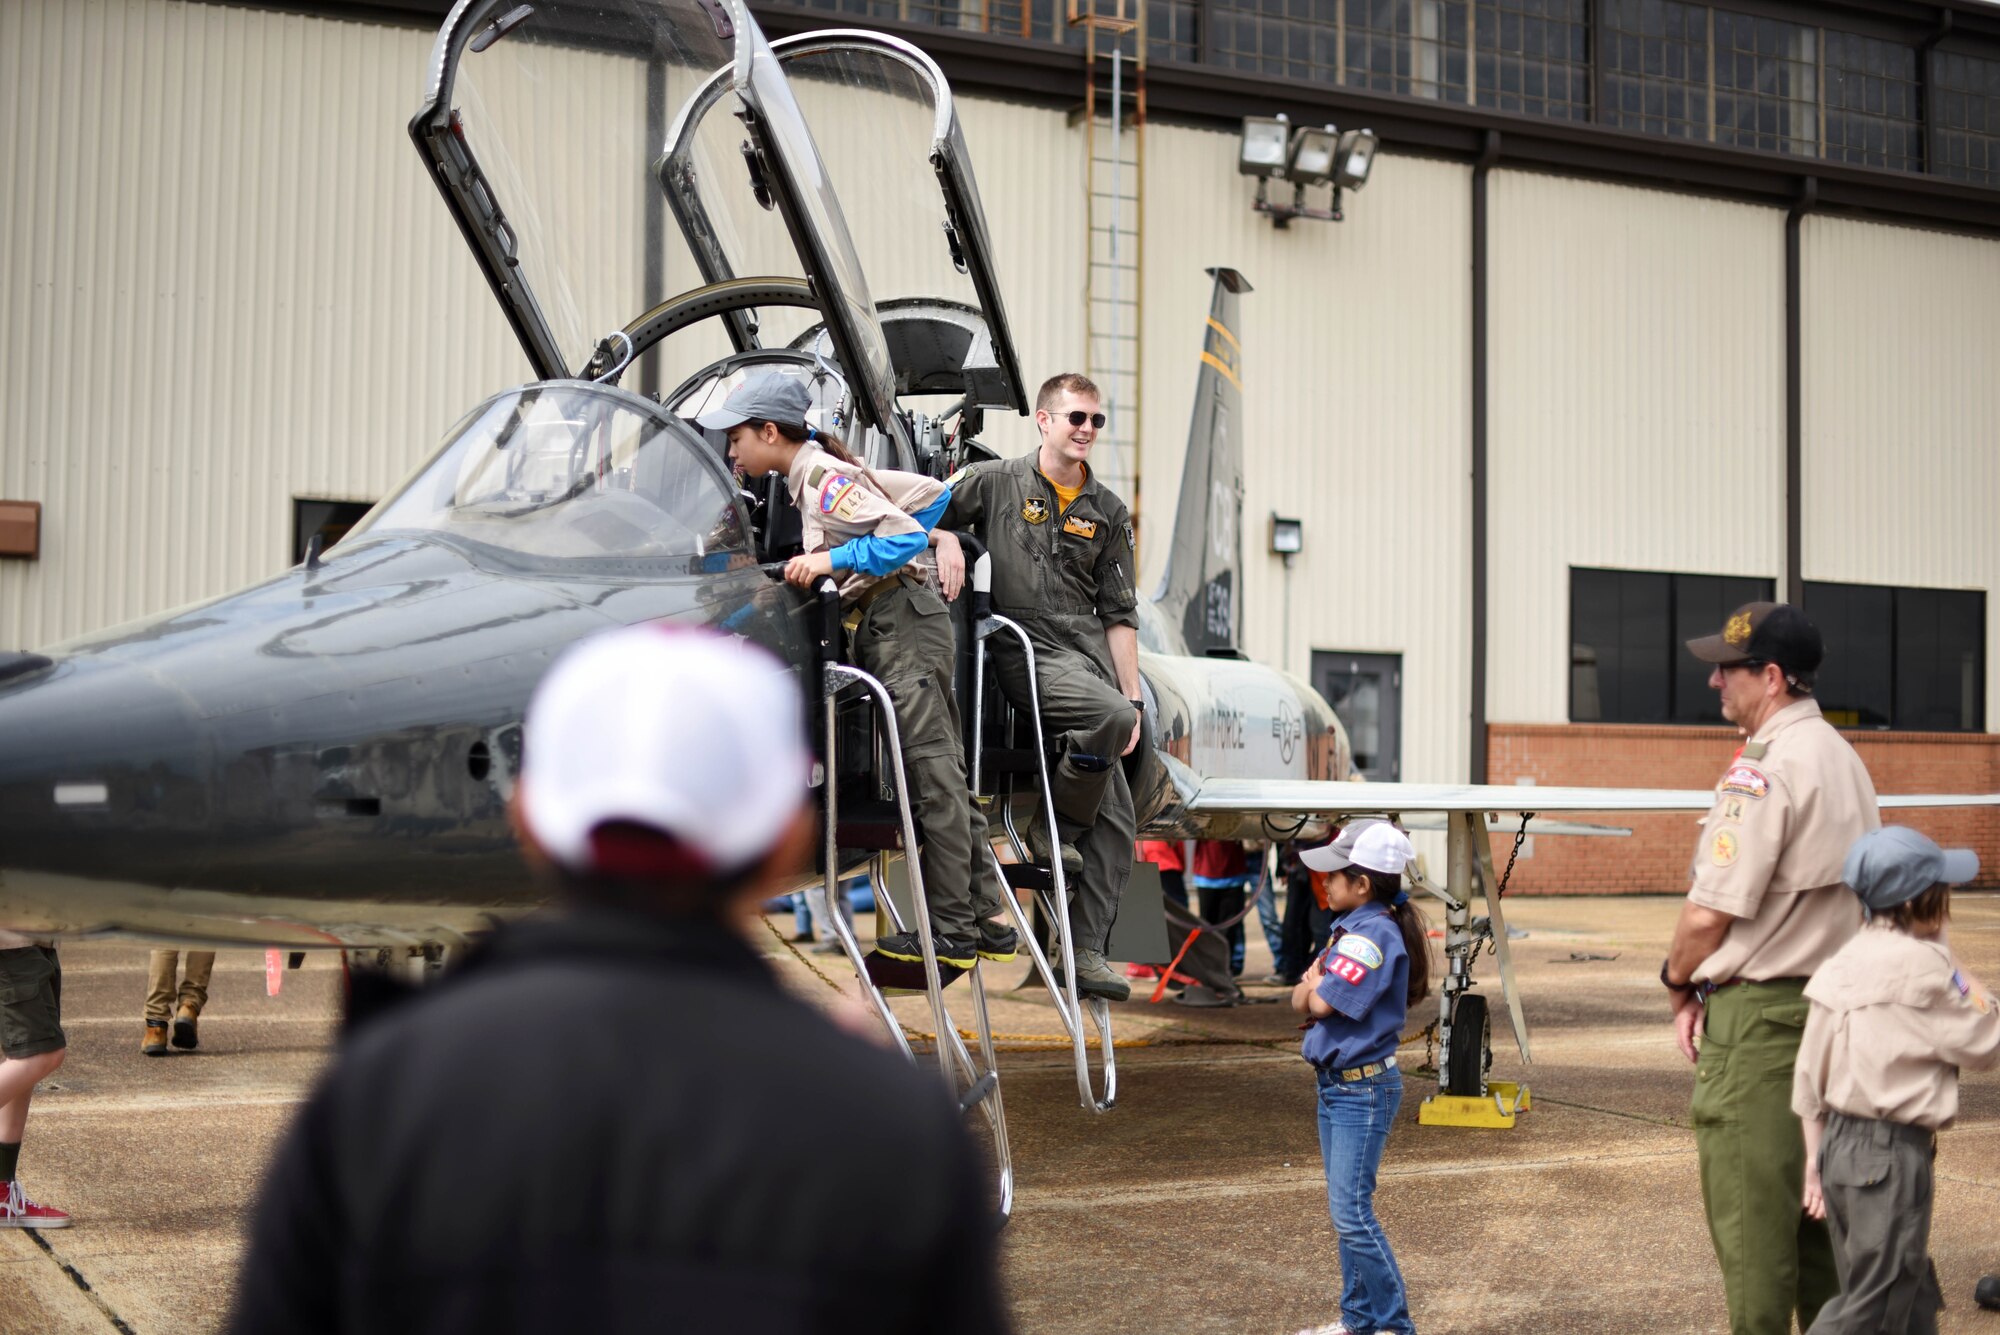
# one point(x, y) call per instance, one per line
point(1747, 780)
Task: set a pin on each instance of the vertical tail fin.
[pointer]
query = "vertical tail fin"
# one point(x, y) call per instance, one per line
point(1199, 590)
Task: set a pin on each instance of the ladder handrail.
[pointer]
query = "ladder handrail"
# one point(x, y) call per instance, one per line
point(1069, 1003)
point(835, 677)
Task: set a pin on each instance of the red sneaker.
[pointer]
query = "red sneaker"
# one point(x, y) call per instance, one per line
point(17, 1211)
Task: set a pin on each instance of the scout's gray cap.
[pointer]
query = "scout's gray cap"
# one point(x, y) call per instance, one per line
point(1372, 844)
point(1895, 864)
point(768, 396)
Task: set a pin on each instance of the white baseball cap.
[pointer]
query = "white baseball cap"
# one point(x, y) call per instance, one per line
point(1374, 845)
point(696, 735)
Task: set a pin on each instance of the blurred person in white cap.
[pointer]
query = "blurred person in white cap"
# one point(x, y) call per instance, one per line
point(594, 1124)
point(1893, 1019)
point(870, 530)
point(1357, 995)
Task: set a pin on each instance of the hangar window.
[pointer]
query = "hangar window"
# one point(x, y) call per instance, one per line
point(1628, 630)
point(1965, 117)
point(1414, 47)
point(1532, 56)
point(1699, 72)
point(1901, 658)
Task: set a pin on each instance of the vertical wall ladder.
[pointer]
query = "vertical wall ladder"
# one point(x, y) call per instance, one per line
point(1114, 126)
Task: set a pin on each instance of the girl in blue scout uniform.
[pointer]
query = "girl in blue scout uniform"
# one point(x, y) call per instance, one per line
point(1358, 993)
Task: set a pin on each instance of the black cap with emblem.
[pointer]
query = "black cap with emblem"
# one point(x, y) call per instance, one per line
point(1764, 633)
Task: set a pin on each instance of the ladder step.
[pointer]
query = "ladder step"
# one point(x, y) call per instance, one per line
point(979, 1093)
point(1024, 876)
point(905, 975)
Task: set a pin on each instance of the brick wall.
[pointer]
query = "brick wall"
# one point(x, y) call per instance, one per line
point(1655, 859)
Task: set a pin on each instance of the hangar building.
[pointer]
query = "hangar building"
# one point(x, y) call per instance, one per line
point(1649, 307)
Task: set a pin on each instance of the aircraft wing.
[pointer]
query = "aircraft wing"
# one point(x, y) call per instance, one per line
point(1322, 797)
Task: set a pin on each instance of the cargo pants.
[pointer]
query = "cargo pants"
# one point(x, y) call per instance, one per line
point(1086, 722)
point(165, 988)
point(1878, 1183)
point(1775, 1259)
point(905, 639)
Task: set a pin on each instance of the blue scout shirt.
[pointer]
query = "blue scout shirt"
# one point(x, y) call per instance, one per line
point(1368, 985)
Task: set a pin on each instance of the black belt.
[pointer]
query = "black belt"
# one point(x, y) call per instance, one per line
point(852, 616)
point(1707, 990)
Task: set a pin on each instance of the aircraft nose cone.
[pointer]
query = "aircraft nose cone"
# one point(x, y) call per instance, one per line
point(102, 773)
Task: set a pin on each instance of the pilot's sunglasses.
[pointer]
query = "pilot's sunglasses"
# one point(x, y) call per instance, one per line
point(1077, 417)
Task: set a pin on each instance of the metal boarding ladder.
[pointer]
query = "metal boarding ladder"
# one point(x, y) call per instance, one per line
point(1071, 1006)
point(976, 1083)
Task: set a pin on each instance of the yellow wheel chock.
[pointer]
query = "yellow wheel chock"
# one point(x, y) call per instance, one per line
point(1504, 1100)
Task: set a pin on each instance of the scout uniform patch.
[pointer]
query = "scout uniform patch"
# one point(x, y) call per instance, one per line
point(1361, 950)
point(1724, 853)
point(1347, 970)
point(1732, 810)
point(1747, 780)
point(1035, 510)
point(1753, 750)
point(840, 497)
point(1083, 528)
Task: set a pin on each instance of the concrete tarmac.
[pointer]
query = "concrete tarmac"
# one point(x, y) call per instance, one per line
point(1196, 1205)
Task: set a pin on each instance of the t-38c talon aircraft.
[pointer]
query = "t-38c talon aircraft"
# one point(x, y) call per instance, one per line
point(324, 758)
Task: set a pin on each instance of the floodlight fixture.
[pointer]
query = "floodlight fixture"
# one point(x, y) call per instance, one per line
point(1263, 150)
point(1288, 536)
point(1356, 156)
point(1314, 155)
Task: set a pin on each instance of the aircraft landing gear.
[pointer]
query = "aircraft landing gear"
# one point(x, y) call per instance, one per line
point(1465, 1096)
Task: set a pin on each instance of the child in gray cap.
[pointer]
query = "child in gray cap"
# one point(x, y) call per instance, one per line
point(1893, 1018)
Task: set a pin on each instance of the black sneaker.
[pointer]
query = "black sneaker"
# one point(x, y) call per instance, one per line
point(997, 941)
point(959, 952)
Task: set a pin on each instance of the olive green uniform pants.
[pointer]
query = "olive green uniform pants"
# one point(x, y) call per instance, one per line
point(1775, 1260)
point(1878, 1183)
point(166, 988)
point(905, 640)
point(1086, 721)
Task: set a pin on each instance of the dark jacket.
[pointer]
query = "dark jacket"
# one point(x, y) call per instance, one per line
point(612, 1122)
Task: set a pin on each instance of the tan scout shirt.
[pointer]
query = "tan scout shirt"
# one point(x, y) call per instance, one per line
point(1892, 1020)
point(839, 501)
point(1772, 847)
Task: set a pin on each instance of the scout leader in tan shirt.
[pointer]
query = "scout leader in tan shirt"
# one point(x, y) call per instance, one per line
point(1765, 908)
point(1765, 898)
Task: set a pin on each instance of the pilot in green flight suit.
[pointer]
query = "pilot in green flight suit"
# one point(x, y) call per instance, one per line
point(1063, 567)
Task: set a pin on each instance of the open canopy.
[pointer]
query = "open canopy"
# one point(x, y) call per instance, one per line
point(539, 121)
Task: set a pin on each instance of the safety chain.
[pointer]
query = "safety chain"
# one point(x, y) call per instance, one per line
point(801, 958)
point(1520, 837)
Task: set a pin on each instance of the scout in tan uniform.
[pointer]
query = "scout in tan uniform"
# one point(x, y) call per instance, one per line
point(1062, 567)
point(1766, 907)
point(1893, 1019)
point(869, 530)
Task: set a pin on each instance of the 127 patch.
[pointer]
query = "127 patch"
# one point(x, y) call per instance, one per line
point(1349, 971)
point(1723, 853)
point(1747, 780)
point(1361, 950)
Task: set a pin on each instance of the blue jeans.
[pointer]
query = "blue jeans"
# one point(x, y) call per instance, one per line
point(1354, 1122)
point(1267, 914)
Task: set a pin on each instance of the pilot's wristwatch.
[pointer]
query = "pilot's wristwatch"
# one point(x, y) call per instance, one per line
point(1669, 983)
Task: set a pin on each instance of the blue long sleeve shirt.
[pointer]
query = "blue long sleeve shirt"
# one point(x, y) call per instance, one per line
point(875, 555)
